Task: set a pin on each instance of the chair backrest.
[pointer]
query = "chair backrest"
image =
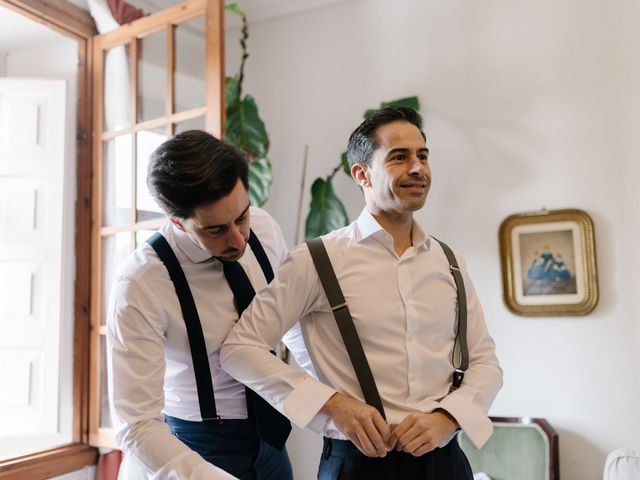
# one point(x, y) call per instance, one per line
point(622, 464)
point(522, 448)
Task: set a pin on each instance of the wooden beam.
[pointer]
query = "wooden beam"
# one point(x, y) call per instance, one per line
point(81, 331)
point(50, 463)
point(214, 68)
point(61, 15)
point(152, 23)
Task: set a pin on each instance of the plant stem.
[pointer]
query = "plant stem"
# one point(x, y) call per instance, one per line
point(336, 170)
point(245, 53)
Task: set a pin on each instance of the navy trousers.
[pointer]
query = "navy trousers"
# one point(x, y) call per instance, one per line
point(341, 460)
point(233, 446)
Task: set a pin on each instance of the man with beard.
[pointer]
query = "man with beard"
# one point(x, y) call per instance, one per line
point(176, 413)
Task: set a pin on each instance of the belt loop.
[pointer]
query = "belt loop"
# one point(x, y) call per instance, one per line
point(326, 449)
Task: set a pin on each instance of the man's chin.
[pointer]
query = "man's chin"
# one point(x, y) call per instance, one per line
point(415, 204)
point(232, 256)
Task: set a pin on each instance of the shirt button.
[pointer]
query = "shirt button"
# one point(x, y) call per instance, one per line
point(412, 377)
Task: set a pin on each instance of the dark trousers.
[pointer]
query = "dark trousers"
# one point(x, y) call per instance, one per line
point(233, 446)
point(341, 460)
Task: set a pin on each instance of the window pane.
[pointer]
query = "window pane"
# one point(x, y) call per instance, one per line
point(190, 61)
point(115, 249)
point(147, 141)
point(142, 236)
point(116, 181)
point(193, 124)
point(117, 99)
point(152, 76)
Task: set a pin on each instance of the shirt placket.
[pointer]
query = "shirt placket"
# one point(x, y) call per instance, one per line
point(413, 359)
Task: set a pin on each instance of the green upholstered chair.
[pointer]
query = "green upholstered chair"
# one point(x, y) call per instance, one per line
point(521, 448)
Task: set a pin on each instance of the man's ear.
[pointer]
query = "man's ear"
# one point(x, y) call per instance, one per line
point(178, 223)
point(360, 173)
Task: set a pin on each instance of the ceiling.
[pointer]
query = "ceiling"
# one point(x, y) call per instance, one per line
point(17, 32)
point(256, 10)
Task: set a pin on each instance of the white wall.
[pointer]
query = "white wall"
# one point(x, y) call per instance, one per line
point(3, 64)
point(527, 105)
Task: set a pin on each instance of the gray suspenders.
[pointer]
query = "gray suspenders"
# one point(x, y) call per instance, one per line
point(350, 336)
point(345, 324)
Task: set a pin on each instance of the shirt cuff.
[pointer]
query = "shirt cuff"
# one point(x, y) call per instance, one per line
point(306, 400)
point(472, 420)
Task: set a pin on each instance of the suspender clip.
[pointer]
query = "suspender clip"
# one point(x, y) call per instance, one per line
point(213, 420)
point(458, 376)
point(338, 307)
point(453, 267)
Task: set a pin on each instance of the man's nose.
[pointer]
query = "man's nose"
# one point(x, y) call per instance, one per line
point(417, 167)
point(235, 238)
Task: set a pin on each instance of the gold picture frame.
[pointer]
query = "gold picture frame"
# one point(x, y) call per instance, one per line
point(548, 261)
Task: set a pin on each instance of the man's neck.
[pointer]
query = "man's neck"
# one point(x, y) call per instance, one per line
point(398, 226)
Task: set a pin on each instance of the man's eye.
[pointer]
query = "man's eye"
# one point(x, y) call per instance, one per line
point(241, 220)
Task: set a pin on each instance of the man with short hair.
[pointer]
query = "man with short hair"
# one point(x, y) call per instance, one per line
point(407, 294)
point(177, 296)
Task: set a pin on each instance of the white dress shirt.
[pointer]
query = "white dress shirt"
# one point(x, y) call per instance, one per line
point(149, 360)
point(404, 309)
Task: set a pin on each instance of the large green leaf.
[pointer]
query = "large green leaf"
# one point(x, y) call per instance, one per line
point(245, 128)
point(259, 181)
point(231, 89)
point(345, 163)
point(411, 102)
point(327, 211)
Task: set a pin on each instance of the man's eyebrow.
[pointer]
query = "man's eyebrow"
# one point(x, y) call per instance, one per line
point(212, 227)
point(405, 150)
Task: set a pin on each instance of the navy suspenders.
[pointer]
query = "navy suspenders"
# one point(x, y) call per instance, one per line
point(350, 335)
point(204, 383)
point(274, 428)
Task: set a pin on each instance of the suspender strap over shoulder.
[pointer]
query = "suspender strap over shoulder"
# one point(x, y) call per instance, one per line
point(345, 324)
point(461, 334)
point(261, 256)
point(197, 345)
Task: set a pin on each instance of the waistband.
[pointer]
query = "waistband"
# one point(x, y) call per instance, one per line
point(346, 449)
point(178, 425)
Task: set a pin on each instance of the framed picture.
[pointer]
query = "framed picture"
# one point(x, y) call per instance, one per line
point(549, 263)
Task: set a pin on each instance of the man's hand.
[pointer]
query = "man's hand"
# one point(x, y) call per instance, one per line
point(420, 433)
point(361, 423)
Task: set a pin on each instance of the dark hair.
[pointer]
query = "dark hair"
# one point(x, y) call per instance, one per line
point(192, 169)
point(363, 141)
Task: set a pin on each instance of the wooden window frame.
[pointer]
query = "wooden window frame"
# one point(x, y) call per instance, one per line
point(73, 22)
point(76, 23)
point(131, 34)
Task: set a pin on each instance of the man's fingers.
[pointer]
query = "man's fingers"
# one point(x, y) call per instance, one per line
point(361, 423)
point(356, 441)
point(364, 444)
point(419, 445)
point(378, 431)
point(425, 448)
point(399, 431)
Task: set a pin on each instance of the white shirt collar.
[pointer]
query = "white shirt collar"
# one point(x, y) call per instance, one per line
point(368, 226)
point(189, 247)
